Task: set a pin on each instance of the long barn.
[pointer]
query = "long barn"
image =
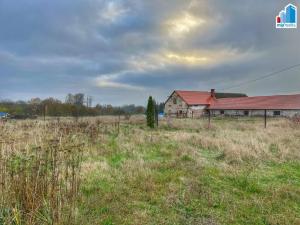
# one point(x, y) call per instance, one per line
point(199, 103)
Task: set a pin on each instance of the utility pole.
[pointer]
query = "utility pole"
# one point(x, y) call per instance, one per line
point(119, 115)
point(156, 114)
point(89, 100)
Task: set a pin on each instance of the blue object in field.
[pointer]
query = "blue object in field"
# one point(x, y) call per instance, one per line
point(3, 114)
point(161, 114)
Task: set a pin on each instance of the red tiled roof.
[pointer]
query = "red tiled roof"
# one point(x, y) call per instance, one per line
point(259, 102)
point(195, 97)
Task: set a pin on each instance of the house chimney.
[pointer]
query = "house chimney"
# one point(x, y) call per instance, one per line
point(212, 93)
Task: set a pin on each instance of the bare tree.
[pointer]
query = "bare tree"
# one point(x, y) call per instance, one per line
point(79, 99)
point(70, 99)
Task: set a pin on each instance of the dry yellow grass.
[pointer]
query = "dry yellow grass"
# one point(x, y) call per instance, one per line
point(240, 139)
point(179, 173)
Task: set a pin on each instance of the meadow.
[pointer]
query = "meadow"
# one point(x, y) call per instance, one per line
point(99, 171)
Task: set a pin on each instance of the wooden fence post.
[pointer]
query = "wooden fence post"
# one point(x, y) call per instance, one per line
point(209, 119)
point(119, 120)
point(265, 118)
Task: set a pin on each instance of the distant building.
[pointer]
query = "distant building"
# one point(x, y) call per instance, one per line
point(198, 103)
point(193, 103)
point(187, 103)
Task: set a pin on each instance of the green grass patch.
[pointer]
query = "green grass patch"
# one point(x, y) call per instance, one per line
point(116, 160)
point(178, 188)
point(249, 198)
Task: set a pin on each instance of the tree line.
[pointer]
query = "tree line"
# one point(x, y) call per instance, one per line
point(74, 105)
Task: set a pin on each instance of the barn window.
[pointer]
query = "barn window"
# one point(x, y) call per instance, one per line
point(174, 101)
point(276, 113)
point(222, 112)
point(246, 113)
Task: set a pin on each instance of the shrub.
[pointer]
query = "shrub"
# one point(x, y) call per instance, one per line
point(150, 112)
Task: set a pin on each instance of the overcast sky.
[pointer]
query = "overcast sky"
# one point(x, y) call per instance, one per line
point(121, 51)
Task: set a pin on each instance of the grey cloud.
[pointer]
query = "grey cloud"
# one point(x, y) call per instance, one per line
point(50, 48)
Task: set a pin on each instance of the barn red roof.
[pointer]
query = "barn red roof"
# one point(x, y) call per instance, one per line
point(195, 97)
point(259, 102)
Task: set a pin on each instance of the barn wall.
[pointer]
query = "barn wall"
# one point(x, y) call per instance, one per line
point(284, 113)
point(172, 109)
point(196, 111)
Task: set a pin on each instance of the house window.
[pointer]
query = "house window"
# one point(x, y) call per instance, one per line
point(222, 112)
point(276, 113)
point(246, 113)
point(174, 101)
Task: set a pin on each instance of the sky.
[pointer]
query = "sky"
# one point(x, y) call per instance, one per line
point(121, 51)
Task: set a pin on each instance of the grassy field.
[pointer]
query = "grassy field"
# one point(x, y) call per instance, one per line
point(237, 172)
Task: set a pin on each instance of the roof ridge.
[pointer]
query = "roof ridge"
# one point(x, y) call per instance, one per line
point(291, 101)
point(192, 91)
point(260, 96)
point(273, 95)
